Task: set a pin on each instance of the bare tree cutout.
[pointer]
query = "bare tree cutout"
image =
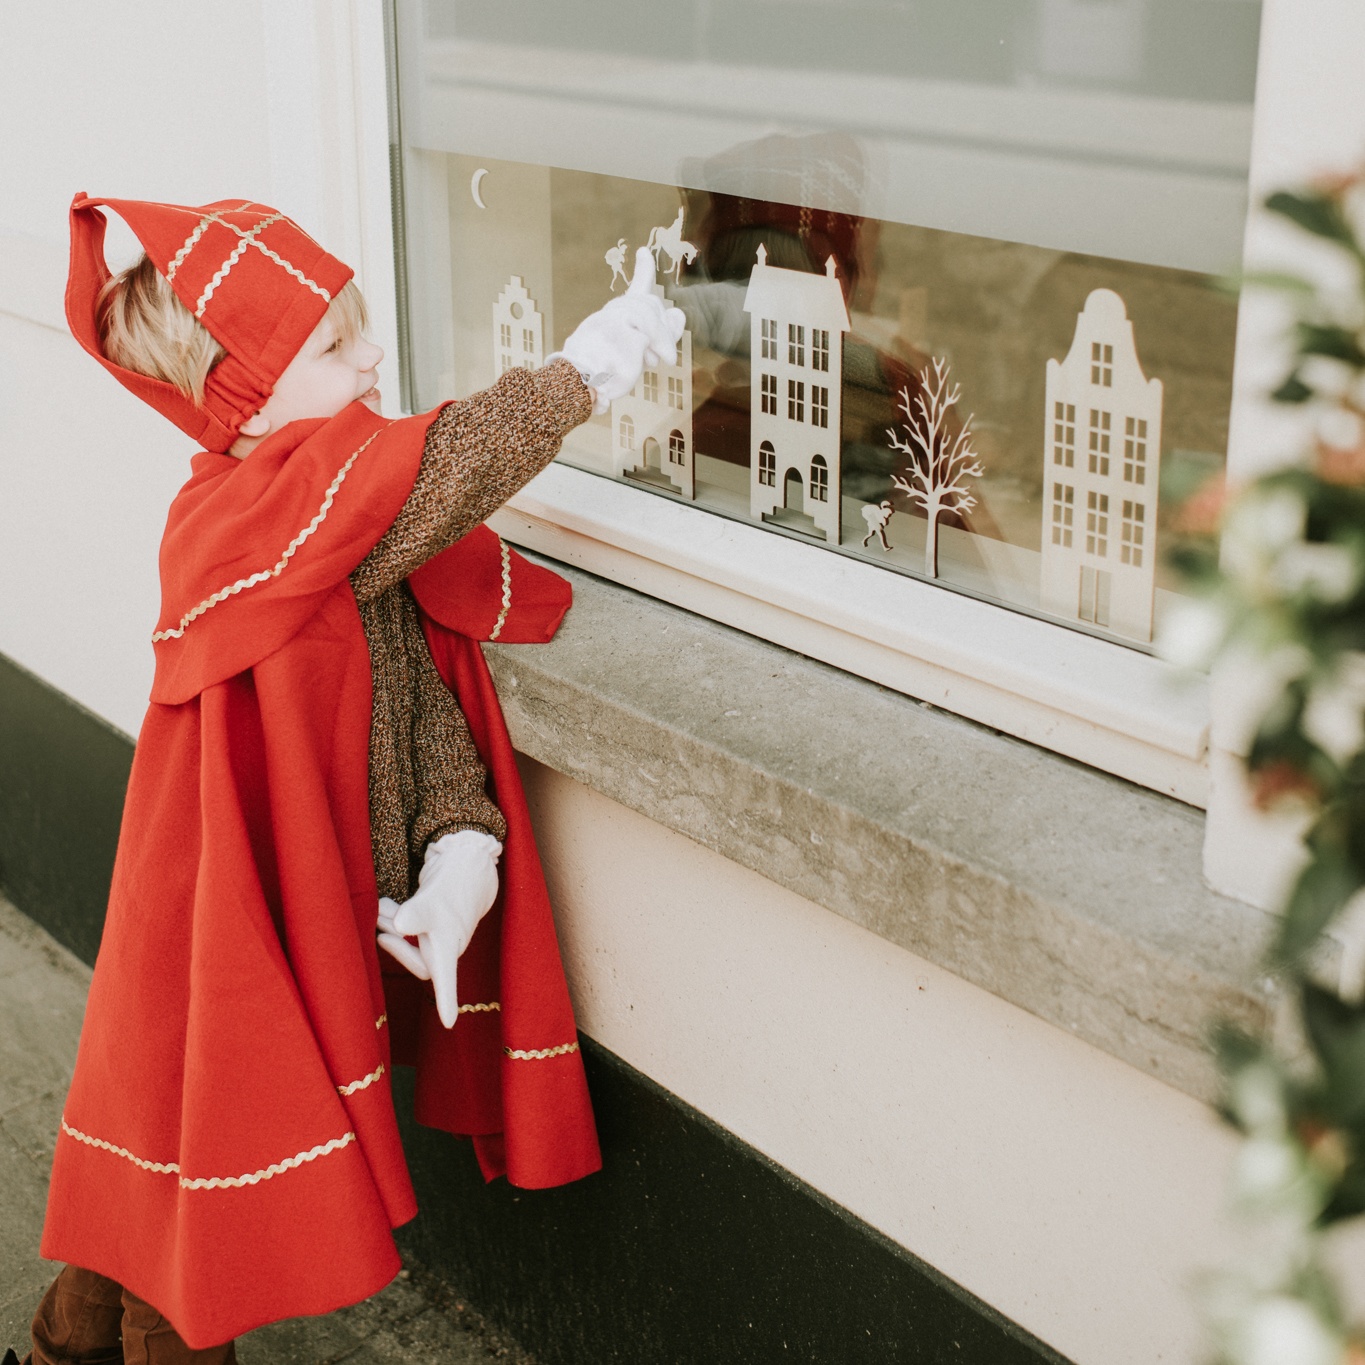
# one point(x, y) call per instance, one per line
point(935, 479)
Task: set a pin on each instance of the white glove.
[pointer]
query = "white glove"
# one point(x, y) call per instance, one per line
point(455, 890)
point(611, 347)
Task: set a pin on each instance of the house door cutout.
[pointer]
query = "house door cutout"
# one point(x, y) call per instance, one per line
point(1094, 603)
point(792, 497)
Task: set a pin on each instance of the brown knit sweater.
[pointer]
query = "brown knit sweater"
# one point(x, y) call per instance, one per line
point(426, 778)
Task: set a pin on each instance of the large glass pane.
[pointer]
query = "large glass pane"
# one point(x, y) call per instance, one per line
point(945, 267)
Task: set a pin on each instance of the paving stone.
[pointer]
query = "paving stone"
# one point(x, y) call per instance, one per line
point(33, 1127)
point(430, 1338)
point(311, 1341)
point(42, 999)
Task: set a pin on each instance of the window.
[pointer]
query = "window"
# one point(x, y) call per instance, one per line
point(675, 392)
point(1130, 547)
point(1099, 441)
point(819, 479)
point(1134, 450)
point(506, 363)
point(1064, 434)
point(767, 465)
point(677, 447)
point(505, 335)
point(887, 269)
point(819, 349)
point(650, 380)
point(528, 341)
point(1097, 524)
point(627, 434)
point(1102, 364)
point(1063, 511)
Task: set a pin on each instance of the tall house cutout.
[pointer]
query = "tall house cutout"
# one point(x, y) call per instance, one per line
point(1101, 462)
point(797, 322)
point(518, 330)
point(651, 427)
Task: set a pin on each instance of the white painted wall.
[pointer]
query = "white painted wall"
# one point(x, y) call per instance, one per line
point(181, 103)
point(1075, 1194)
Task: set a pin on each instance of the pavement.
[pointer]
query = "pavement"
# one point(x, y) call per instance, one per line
point(42, 999)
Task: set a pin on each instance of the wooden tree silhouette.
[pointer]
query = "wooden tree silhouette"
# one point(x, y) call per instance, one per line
point(939, 463)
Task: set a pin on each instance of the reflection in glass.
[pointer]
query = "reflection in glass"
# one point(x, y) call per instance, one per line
point(1015, 204)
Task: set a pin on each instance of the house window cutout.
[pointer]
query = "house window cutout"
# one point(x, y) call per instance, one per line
point(769, 338)
point(677, 447)
point(767, 465)
point(1100, 422)
point(650, 383)
point(768, 393)
point(819, 349)
point(1134, 450)
point(1097, 524)
point(1063, 514)
point(1130, 546)
point(675, 392)
point(796, 344)
point(626, 434)
point(1102, 364)
point(1064, 434)
point(819, 480)
point(819, 406)
point(796, 400)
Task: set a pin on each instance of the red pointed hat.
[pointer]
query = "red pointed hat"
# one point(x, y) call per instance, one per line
point(256, 281)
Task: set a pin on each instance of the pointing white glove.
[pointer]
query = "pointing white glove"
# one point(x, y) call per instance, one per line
point(611, 347)
point(455, 890)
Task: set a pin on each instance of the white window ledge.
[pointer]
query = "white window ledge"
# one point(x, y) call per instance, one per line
point(1113, 708)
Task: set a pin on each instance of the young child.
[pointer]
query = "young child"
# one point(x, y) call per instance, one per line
point(323, 758)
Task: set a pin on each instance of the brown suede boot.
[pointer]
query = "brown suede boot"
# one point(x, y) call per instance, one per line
point(87, 1319)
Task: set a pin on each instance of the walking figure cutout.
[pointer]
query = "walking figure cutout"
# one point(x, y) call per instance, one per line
point(616, 258)
point(876, 516)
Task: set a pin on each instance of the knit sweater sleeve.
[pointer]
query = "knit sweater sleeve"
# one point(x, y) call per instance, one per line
point(479, 451)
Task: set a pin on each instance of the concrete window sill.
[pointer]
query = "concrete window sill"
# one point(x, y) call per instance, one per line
point(1070, 893)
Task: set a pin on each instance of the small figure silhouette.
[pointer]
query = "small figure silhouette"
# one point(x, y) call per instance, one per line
point(876, 519)
point(616, 258)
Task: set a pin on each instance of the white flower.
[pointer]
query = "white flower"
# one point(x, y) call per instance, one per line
point(1285, 1331)
point(1272, 1173)
point(1256, 1095)
point(1258, 527)
point(1330, 572)
point(1191, 633)
point(1247, 682)
point(1334, 718)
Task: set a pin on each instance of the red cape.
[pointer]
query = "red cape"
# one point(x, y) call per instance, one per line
point(229, 1150)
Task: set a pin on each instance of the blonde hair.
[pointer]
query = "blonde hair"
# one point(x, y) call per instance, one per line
point(145, 328)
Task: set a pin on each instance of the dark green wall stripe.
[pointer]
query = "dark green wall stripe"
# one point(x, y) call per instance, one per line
point(63, 773)
point(689, 1247)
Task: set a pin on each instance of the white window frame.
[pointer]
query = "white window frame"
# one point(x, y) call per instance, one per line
point(1115, 708)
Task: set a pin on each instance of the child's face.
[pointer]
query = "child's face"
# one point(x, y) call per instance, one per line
point(327, 375)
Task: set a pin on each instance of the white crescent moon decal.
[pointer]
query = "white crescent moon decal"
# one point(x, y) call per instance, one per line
point(475, 181)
